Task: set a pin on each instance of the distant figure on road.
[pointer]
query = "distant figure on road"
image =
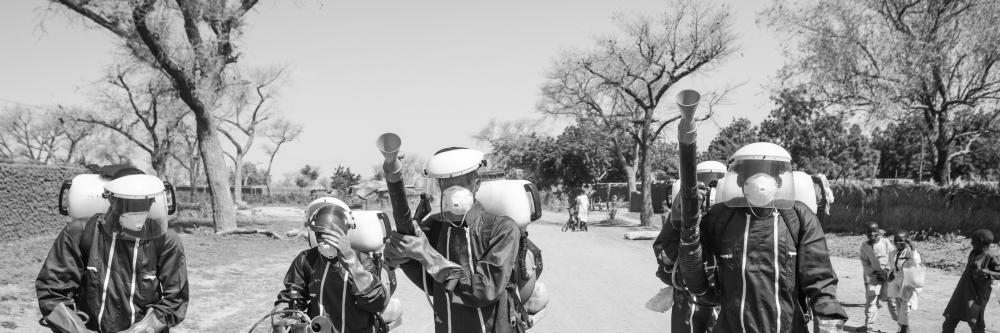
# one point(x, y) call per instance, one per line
point(903, 295)
point(874, 255)
point(968, 302)
point(583, 207)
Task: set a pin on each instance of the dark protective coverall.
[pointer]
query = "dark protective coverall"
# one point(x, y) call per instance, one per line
point(154, 268)
point(766, 283)
point(459, 302)
point(312, 279)
point(688, 313)
point(968, 302)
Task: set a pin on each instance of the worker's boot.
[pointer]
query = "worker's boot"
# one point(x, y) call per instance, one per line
point(904, 329)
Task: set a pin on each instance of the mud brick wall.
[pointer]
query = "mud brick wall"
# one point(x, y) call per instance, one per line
point(29, 199)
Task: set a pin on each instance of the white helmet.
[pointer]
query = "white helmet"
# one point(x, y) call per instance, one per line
point(760, 175)
point(708, 171)
point(318, 203)
point(453, 169)
point(453, 162)
point(136, 201)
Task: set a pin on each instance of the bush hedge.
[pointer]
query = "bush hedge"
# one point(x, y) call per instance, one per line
point(924, 208)
point(29, 199)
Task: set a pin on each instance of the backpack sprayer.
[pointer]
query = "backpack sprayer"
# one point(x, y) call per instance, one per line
point(83, 196)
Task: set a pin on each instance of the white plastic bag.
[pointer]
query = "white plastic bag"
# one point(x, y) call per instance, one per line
point(662, 301)
point(914, 277)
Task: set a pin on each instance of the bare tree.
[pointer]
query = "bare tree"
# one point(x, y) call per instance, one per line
point(77, 135)
point(31, 133)
point(143, 108)
point(574, 93)
point(192, 42)
point(280, 132)
point(936, 61)
point(251, 108)
point(620, 84)
point(187, 156)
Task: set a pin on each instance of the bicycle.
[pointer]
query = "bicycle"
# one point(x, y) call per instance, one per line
point(573, 222)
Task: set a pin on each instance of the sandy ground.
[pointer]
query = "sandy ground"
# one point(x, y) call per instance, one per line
point(599, 282)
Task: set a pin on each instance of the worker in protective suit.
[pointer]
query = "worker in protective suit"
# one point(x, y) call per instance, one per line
point(331, 279)
point(774, 267)
point(119, 271)
point(688, 313)
point(462, 256)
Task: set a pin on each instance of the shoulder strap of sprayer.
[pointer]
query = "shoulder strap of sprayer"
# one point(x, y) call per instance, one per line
point(795, 230)
point(527, 245)
point(794, 225)
point(87, 239)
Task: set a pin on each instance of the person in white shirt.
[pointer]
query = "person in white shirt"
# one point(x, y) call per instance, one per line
point(903, 256)
point(583, 206)
point(874, 255)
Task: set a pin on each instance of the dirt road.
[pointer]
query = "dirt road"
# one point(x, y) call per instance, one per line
point(599, 282)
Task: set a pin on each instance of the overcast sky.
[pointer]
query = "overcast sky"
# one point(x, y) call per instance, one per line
point(361, 68)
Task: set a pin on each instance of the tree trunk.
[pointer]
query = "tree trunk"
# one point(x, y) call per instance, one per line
point(629, 168)
point(942, 174)
point(267, 175)
point(193, 176)
point(646, 215)
point(238, 179)
point(634, 171)
point(941, 149)
point(223, 214)
point(159, 161)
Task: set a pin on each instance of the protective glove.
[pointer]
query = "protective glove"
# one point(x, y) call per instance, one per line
point(64, 320)
point(662, 301)
point(417, 248)
point(348, 258)
point(148, 324)
point(828, 325)
point(286, 322)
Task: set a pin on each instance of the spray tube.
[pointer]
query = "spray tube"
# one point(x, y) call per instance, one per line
point(692, 265)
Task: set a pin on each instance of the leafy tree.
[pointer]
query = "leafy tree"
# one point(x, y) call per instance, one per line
point(931, 61)
point(252, 176)
point(817, 139)
point(307, 176)
point(899, 145)
point(738, 133)
point(343, 179)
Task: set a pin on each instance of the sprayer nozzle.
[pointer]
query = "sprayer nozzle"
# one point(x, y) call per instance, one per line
point(388, 143)
point(688, 100)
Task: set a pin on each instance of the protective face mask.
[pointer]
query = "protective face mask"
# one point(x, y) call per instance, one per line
point(760, 189)
point(457, 200)
point(327, 251)
point(133, 221)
